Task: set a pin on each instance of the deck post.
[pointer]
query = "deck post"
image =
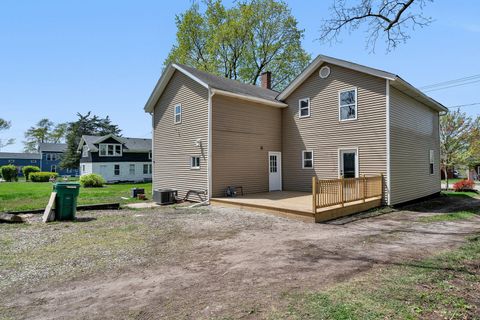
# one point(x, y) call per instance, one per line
point(341, 191)
point(314, 195)
point(364, 188)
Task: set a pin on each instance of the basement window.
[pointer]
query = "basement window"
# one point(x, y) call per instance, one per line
point(304, 108)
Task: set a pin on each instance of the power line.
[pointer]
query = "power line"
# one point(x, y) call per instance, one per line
point(465, 105)
point(452, 86)
point(450, 82)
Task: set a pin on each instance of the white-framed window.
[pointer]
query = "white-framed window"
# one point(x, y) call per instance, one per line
point(145, 168)
point(347, 104)
point(177, 114)
point(150, 155)
point(304, 108)
point(110, 150)
point(131, 169)
point(432, 162)
point(307, 159)
point(195, 162)
point(33, 161)
point(116, 169)
point(85, 151)
point(11, 161)
point(53, 168)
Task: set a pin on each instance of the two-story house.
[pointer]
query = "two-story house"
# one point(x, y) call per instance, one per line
point(336, 119)
point(115, 158)
point(51, 156)
point(20, 160)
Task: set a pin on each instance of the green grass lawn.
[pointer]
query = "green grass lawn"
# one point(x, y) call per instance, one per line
point(18, 196)
point(469, 194)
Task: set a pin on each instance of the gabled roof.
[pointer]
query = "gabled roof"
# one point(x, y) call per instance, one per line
point(130, 144)
point(218, 85)
point(20, 155)
point(52, 147)
point(395, 80)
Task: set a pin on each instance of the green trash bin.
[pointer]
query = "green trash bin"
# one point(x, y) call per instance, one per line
point(66, 200)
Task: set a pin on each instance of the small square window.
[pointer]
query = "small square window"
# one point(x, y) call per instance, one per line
point(177, 114)
point(304, 108)
point(348, 104)
point(307, 159)
point(195, 163)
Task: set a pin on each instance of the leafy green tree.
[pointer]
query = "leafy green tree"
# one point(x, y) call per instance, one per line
point(44, 131)
point(85, 125)
point(241, 42)
point(5, 125)
point(459, 135)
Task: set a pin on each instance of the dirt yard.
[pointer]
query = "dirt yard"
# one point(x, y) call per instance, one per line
point(205, 263)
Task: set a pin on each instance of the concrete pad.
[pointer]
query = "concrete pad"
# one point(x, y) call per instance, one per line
point(142, 205)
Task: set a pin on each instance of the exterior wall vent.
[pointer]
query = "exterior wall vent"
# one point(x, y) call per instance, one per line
point(324, 72)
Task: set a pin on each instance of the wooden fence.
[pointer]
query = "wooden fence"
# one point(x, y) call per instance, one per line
point(331, 192)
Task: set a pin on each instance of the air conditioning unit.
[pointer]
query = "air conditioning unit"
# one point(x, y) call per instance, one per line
point(165, 196)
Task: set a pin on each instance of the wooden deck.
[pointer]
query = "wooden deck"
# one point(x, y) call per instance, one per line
point(295, 205)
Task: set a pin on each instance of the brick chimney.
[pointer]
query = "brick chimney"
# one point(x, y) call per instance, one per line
point(266, 80)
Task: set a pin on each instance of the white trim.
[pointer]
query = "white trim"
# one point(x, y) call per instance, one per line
point(300, 108)
point(191, 76)
point(340, 106)
point(387, 103)
point(339, 162)
point(209, 147)
point(303, 159)
point(114, 147)
point(192, 167)
point(324, 68)
point(278, 104)
point(53, 166)
point(175, 113)
point(85, 151)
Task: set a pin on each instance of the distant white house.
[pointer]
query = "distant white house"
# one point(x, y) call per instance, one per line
point(116, 158)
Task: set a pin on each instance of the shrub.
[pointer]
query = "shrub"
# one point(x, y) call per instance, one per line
point(464, 185)
point(29, 169)
point(92, 180)
point(9, 172)
point(42, 176)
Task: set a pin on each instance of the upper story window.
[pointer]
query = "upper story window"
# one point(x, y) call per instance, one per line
point(110, 150)
point(150, 155)
point(85, 151)
point(304, 108)
point(51, 156)
point(307, 159)
point(347, 104)
point(177, 116)
point(195, 162)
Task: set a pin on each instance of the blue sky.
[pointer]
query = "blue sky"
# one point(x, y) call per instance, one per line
point(58, 58)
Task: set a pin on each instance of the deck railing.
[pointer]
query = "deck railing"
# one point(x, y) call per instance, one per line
point(331, 192)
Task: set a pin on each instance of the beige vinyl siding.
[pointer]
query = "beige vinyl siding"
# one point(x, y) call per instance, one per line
point(414, 131)
point(323, 133)
point(174, 144)
point(242, 134)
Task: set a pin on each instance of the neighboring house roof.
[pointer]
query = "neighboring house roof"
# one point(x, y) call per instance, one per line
point(23, 156)
point(218, 85)
point(130, 144)
point(395, 80)
point(52, 147)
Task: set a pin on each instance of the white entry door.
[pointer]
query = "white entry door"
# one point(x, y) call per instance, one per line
point(275, 171)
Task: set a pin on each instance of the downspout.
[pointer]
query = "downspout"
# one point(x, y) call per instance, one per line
point(209, 147)
point(153, 154)
point(388, 180)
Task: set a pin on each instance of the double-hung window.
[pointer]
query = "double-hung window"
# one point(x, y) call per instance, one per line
point(348, 104)
point(85, 151)
point(195, 163)
point(145, 168)
point(307, 159)
point(177, 115)
point(131, 169)
point(432, 162)
point(304, 108)
point(116, 169)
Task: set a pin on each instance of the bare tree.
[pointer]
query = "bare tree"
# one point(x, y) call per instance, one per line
point(392, 20)
point(5, 125)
